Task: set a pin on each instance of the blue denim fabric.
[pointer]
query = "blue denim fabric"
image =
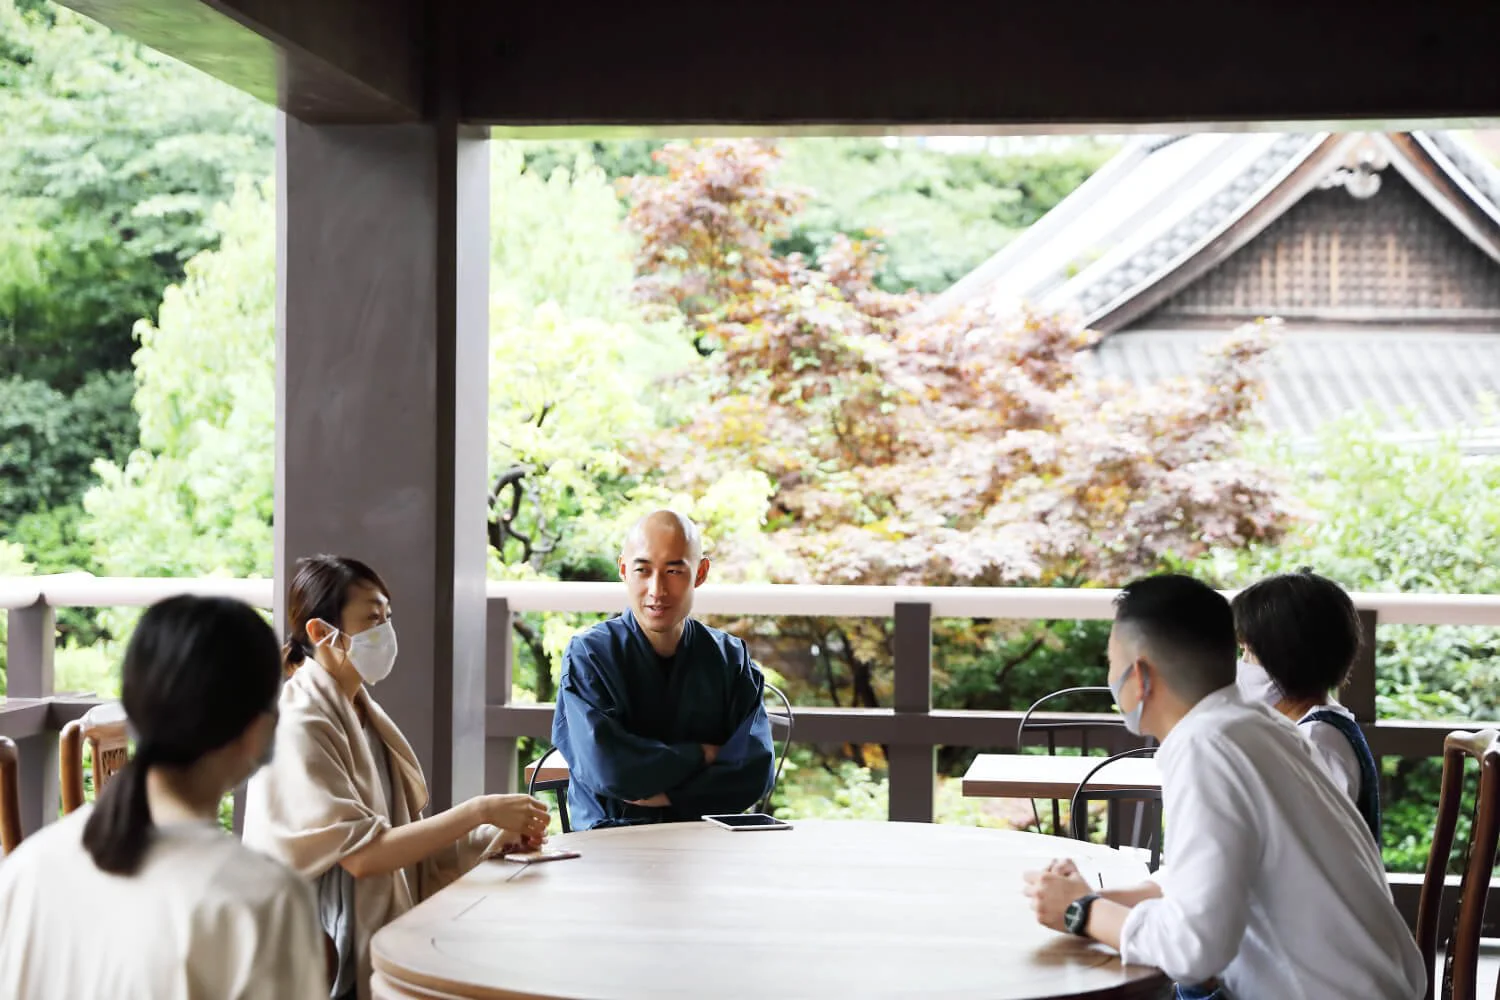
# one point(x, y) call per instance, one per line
point(1198, 993)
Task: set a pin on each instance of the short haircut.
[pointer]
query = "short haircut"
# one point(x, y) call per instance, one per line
point(1304, 630)
point(1184, 628)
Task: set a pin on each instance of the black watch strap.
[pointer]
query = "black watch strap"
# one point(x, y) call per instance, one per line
point(1076, 917)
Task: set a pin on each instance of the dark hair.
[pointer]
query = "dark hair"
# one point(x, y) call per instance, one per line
point(1304, 630)
point(1188, 624)
point(320, 589)
point(198, 671)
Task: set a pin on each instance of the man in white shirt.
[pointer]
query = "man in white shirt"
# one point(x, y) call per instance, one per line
point(1273, 886)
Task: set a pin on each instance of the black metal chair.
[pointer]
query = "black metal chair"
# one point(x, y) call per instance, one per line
point(784, 721)
point(1111, 733)
point(558, 785)
point(1148, 813)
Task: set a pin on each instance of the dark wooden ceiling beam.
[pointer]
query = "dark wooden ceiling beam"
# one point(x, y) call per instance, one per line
point(1086, 64)
point(321, 60)
point(833, 66)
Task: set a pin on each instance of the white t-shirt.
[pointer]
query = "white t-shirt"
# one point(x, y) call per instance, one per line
point(1273, 883)
point(1333, 749)
point(204, 918)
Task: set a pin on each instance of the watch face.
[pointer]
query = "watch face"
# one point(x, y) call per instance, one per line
point(1077, 915)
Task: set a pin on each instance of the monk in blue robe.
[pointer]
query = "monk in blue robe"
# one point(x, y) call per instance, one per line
point(660, 717)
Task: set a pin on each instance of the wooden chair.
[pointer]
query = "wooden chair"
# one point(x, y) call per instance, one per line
point(103, 729)
point(1461, 966)
point(10, 795)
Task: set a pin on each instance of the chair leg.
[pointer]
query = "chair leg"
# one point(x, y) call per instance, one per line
point(1156, 841)
point(562, 810)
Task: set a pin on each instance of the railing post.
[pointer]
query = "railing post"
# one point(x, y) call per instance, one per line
point(1359, 694)
point(500, 750)
point(31, 637)
point(912, 779)
point(237, 815)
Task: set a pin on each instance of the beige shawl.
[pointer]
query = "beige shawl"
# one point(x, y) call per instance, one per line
point(320, 800)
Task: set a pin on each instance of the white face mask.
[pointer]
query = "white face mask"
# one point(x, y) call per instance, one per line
point(1256, 686)
point(372, 652)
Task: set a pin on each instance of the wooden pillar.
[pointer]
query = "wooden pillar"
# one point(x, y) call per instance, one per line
point(382, 355)
point(912, 781)
point(1359, 694)
point(502, 764)
point(31, 637)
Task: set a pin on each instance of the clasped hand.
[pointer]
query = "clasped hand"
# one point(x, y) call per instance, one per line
point(660, 800)
point(1052, 890)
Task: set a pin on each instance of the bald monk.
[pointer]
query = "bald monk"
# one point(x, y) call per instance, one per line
point(659, 716)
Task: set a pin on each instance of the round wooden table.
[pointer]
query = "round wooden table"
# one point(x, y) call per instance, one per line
point(827, 909)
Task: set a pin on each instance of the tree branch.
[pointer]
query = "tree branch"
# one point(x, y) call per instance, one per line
point(544, 689)
point(1018, 659)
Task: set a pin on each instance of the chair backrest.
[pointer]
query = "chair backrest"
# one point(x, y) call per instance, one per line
point(779, 720)
point(1110, 727)
point(1461, 968)
point(1148, 813)
point(557, 785)
point(103, 729)
point(1111, 732)
point(10, 795)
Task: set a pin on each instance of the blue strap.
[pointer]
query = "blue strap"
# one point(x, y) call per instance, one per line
point(1368, 801)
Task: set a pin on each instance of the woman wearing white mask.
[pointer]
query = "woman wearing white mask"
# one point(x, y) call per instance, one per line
point(341, 802)
point(1299, 633)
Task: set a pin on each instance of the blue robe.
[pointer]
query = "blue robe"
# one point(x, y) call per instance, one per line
point(631, 724)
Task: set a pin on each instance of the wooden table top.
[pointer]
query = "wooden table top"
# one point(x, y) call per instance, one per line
point(827, 909)
point(1037, 776)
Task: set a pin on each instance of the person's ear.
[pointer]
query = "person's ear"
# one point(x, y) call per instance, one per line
point(1145, 676)
point(702, 572)
point(622, 567)
point(318, 631)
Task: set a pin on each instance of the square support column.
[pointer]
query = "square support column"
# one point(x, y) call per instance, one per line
point(381, 411)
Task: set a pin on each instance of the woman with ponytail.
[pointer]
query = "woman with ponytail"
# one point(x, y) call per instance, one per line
point(189, 912)
point(342, 803)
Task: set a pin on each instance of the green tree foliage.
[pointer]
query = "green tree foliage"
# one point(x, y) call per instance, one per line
point(965, 451)
point(577, 376)
point(615, 157)
point(49, 440)
point(12, 563)
point(1393, 518)
point(111, 160)
point(937, 215)
point(196, 497)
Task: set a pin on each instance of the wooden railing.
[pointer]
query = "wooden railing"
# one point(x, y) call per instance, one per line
point(911, 729)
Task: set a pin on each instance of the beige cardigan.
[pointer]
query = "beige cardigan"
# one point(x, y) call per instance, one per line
point(320, 800)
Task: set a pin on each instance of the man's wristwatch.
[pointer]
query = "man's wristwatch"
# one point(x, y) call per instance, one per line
point(1076, 916)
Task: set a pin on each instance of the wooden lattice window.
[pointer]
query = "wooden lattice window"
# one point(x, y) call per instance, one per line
point(1391, 257)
